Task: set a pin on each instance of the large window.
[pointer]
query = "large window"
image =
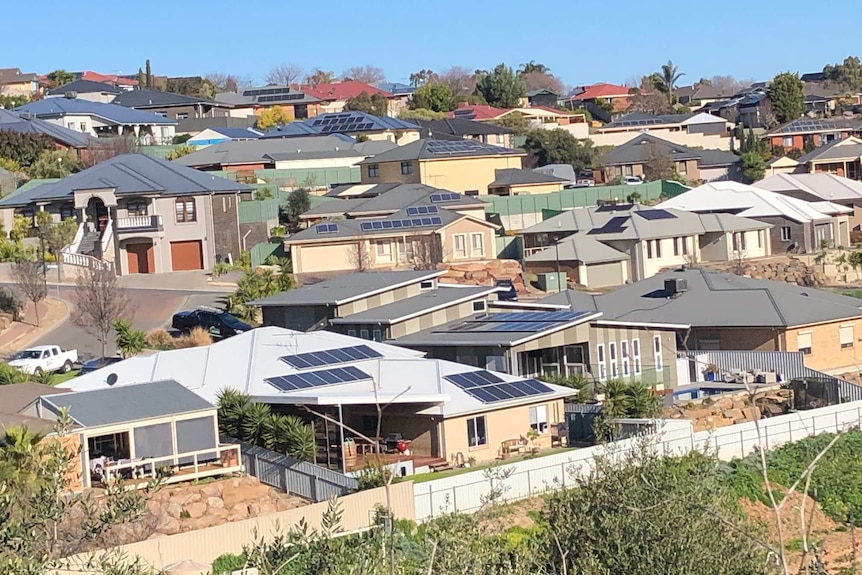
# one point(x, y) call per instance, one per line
point(600, 358)
point(186, 210)
point(373, 170)
point(406, 168)
point(539, 418)
point(785, 233)
point(612, 358)
point(477, 245)
point(136, 208)
point(624, 355)
point(459, 244)
point(476, 434)
point(636, 356)
point(656, 348)
point(803, 342)
point(845, 332)
point(384, 251)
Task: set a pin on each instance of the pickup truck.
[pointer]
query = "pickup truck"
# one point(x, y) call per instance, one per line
point(45, 359)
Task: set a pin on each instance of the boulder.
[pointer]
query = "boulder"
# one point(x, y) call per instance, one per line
point(174, 509)
point(167, 525)
point(211, 490)
point(197, 509)
point(215, 502)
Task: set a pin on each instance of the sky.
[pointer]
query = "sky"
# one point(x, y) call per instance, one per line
point(577, 40)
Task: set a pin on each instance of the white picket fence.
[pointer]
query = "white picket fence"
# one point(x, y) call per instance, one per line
point(468, 492)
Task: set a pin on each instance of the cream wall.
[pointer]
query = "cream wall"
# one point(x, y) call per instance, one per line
point(720, 249)
point(309, 258)
point(536, 189)
point(649, 267)
point(390, 172)
point(712, 142)
point(827, 353)
point(467, 174)
point(19, 89)
point(468, 228)
point(320, 163)
point(657, 370)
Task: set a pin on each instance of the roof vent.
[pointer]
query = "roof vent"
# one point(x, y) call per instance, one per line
point(675, 286)
point(70, 95)
point(111, 380)
point(25, 116)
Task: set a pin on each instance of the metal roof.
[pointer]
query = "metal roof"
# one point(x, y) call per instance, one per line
point(351, 122)
point(829, 187)
point(147, 98)
point(817, 126)
point(396, 198)
point(516, 177)
point(17, 396)
point(461, 127)
point(82, 86)
point(12, 121)
point(428, 149)
point(59, 107)
point(578, 247)
point(847, 149)
point(126, 403)
point(635, 151)
point(426, 302)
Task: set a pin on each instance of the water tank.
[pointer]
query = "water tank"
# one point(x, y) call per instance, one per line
point(551, 282)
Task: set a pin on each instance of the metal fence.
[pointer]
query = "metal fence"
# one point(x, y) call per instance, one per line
point(293, 476)
point(259, 252)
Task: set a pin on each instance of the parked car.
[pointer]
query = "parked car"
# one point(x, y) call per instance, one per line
point(633, 180)
point(508, 292)
point(218, 324)
point(586, 178)
point(45, 359)
point(98, 363)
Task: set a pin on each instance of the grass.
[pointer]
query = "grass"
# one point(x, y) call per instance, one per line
point(431, 476)
point(59, 378)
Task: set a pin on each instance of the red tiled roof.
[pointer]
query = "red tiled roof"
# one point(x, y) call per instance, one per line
point(602, 90)
point(107, 78)
point(480, 111)
point(342, 90)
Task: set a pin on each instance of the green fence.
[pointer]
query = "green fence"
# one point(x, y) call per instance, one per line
point(509, 247)
point(259, 252)
point(311, 177)
point(258, 211)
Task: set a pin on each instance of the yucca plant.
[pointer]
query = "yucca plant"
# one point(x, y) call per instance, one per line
point(642, 402)
point(232, 404)
point(256, 424)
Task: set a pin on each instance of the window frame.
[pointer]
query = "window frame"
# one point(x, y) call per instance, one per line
point(477, 252)
point(656, 350)
point(600, 361)
point(805, 349)
point(407, 168)
point(624, 357)
point(383, 251)
point(475, 439)
point(373, 170)
point(636, 356)
point(185, 202)
point(786, 237)
point(480, 306)
point(137, 212)
point(456, 253)
point(842, 333)
point(539, 418)
point(612, 359)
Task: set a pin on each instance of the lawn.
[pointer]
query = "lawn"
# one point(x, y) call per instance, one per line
point(59, 378)
point(431, 476)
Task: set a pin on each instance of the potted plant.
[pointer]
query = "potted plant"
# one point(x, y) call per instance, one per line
point(532, 436)
point(709, 372)
point(504, 452)
point(471, 462)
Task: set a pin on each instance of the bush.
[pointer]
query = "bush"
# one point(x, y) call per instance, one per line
point(159, 339)
point(10, 375)
point(197, 337)
point(277, 232)
point(228, 563)
point(11, 302)
point(181, 139)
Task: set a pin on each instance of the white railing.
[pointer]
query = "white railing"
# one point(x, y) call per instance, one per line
point(221, 459)
point(530, 251)
point(139, 222)
point(85, 261)
point(76, 242)
point(106, 236)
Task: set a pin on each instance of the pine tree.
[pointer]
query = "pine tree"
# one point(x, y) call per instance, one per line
point(149, 81)
point(142, 80)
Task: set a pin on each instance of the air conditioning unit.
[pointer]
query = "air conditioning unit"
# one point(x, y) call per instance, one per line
point(675, 286)
point(71, 95)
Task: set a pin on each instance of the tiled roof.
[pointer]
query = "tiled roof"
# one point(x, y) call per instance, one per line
point(478, 112)
point(427, 149)
point(83, 87)
point(13, 122)
point(601, 90)
point(342, 90)
point(146, 98)
point(59, 107)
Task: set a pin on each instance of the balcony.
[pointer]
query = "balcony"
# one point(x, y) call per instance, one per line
point(139, 224)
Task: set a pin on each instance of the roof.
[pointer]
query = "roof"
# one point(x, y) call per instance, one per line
point(265, 96)
point(476, 112)
point(347, 288)
point(342, 90)
point(34, 424)
point(635, 151)
point(600, 90)
point(539, 91)
point(428, 149)
point(642, 120)
point(847, 149)
point(396, 88)
point(816, 126)
point(516, 177)
point(14, 76)
point(59, 107)
point(119, 80)
point(126, 403)
point(350, 122)
point(82, 86)
point(426, 302)
point(236, 133)
point(393, 199)
point(130, 174)
point(17, 396)
point(701, 92)
point(13, 121)
point(251, 362)
point(829, 187)
point(147, 98)
point(578, 247)
point(715, 299)
point(744, 200)
point(461, 127)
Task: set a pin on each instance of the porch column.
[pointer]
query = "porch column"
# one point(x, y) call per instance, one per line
point(341, 435)
point(120, 130)
point(112, 214)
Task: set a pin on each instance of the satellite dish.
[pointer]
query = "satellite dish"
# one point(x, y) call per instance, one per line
point(112, 379)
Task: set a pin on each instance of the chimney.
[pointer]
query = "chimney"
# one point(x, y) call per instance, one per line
point(71, 95)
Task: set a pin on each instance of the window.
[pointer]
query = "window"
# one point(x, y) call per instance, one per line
point(684, 246)
point(624, 355)
point(384, 251)
point(739, 242)
point(373, 170)
point(658, 249)
point(136, 208)
point(162, 114)
point(477, 245)
point(406, 168)
point(186, 210)
point(785, 233)
point(480, 306)
point(501, 139)
point(67, 210)
point(539, 418)
point(682, 167)
point(630, 170)
point(377, 335)
point(426, 285)
point(612, 359)
point(351, 332)
point(803, 342)
point(656, 349)
point(636, 356)
point(846, 334)
point(182, 116)
point(787, 141)
point(618, 171)
point(471, 193)
point(600, 357)
point(759, 238)
point(476, 435)
point(649, 249)
point(363, 333)
point(460, 245)
point(676, 246)
point(83, 126)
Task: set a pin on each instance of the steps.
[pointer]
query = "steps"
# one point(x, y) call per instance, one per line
point(441, 465)
point(88, 243)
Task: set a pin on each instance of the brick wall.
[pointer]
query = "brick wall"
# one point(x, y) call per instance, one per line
point(826, 350)
point(258, 233)
point(739, 339)
point(225, 227)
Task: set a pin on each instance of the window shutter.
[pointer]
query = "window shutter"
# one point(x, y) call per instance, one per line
point(846, 334)
point(803, 340)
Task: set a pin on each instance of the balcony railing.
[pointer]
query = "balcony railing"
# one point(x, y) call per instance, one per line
point(139, 224)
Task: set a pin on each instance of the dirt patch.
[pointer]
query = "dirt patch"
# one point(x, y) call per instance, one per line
point(501, 518)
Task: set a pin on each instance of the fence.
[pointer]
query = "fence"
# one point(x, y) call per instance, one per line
point(293, 476)
point(509, 247)
point(254, 211)
point(259, 252)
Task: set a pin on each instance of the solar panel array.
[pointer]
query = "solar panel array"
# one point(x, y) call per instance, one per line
point(330, 357)
point(443, 147)
point(614, 225)
point(538, 316)
point(318, 378)
point(281, 98)
point(489, 388)
point(656, 215)
point(527, 322)
point(447, 197)
point(811, 126)
point(327, 228)
point(421, 210)
point(401, 224)
point(658, 120)
point(343, 122)
point(268, 92)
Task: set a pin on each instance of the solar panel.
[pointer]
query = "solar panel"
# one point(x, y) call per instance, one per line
point(487, 387)
point(614, 225)
point(536, 316)
point(330, 357)
point(421, 210)
point(318, 378)
point(327, 228)
point(656, 215)
point(447, 197)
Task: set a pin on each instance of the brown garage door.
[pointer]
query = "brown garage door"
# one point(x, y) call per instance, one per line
point(140, 257)
point(187, 256)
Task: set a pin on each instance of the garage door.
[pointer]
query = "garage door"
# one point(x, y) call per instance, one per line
point(140, 257)
point(187, 256)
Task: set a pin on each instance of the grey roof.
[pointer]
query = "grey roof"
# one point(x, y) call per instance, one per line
point(716, 299)
point(367, 190)
point(145, 98)
point(578, 247)
point(564, 171)
point(338, 207)
point(127, 403)
point(516, 177)
point(347, 122)
point(635, 152)
point(346, 288)
point(423, 303)
point(15, 397)
point(13, 121)
point(650, 119)
point(392, 200)
point(266, 95)
point(419, 150)
point(716, 158)
point(83, 87)
point(830, 187)
point(834, 151)
point(130, 174)
point(59, 107)
point(462, 127)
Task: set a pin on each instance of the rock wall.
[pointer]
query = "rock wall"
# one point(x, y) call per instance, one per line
point(714, 412)
point(485, 273)
point(786, 269)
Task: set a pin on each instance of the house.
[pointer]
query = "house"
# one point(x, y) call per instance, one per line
point(618, 98)
point(318, 151)
point(352, 124)
point(476, 112)
point(145, 215)
point(17, 397)
point(396, 88)
point(98, 119)
point(751, 109)
point(123, 82)
point(841, 157)
point(64, 138)
point(542, 97)
point(633, 157)
point(439, 407)
point(515, 182)
point(822, 187)
point(796, 225)
point(644, 241)
point(194, 126)
point(465, 166)
point(692, 130)
point(699, 94)
point(15, 83)
point(730, 312)
point(170, 105)
point(461, 129)
point(781, 165)
point(334, 96)
point(86, 90)
point(809, 133)
point(539, 117)
point(212, 136)
point(252, 101)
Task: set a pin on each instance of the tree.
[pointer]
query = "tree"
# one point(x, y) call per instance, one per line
point(433, 96)
point(179, 152)
point(130, 341)
point(513, 120)
point(542, 81)
point(559, 147)
point(148, 75)
point(24, 149)
point(420, 114)
point(30, 277)
point(59, 77)
point(728, 85)
point(9, 102)
point(359, 257)
point(788, 100)
point(256, 284)
point(658, 163)
point(368, 74)
point(532, 67)
point(377, 104)
point(56, 235)
point(263, 194)
point(646, 98)
point(52, 164)
point(272, 117)
point(298, 202)
point(460, 80)
point(142, 78)
point(284, 74)
point(227, 82)
point(99, 303)
point(320, 76)
point(665, 81)
point(753, 167)
point(103, 149)
point(422, 77)
point(501, 87)
point(847, 75)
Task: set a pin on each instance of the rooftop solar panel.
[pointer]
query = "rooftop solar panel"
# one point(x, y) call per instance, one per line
point(536, 316)
point(440, 198)
point(487, 387)
point(327, 228)
point(656, 215)
point(318, 378)
point(330, 357)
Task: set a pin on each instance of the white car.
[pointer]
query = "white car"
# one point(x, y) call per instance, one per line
point(45, 359)
point(633, 180)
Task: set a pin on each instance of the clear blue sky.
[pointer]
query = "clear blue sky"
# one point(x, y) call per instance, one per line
point(581, 42)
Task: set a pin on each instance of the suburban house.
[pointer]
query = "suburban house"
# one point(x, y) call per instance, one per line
point(123, 82)
point(822, 187)
point(17, 397)
point(252, 101)
point(729, 312)
point(64, 138)
point(841, 157)
point(194, 126)
point(446, 411)
point(15, 83)
point(612, 244)
point(809, 133)
point(375, 128)
point(699, 94)
point(633, 157)
point(618, 97)
point(170, 105)
point(514, 182)
point(781, 165)
point(542, 97)
point(751, 109)
point(217, 135)
point(98, 119)
point(86, 90)
point(464, 166)
point(461, 129)
point(476, 112)
point(796, 225)
point(320, 151)
point(694, 130)
point(539, 117)
point(334, 96)
point(144, 214)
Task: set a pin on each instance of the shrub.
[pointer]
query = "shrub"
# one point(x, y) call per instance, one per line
point(277, 232)
point(228, 563)
point(10, 375)
point(197, 337)
point(12, 303)
point(159, 339)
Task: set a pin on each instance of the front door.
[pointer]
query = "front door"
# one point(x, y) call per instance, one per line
point(140, 257)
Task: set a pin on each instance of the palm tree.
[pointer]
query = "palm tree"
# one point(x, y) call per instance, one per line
point(642, 402)
point(256, 424)
point(666, 80)
point(531, 67)
point(616, 399)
